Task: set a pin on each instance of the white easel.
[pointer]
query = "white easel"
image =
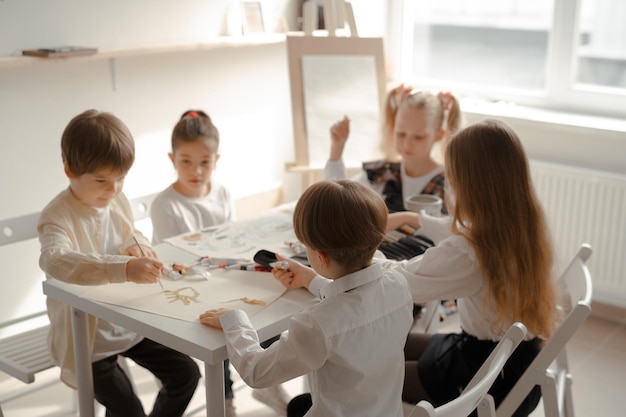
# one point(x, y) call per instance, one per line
point(337, 14)
point(337, 40)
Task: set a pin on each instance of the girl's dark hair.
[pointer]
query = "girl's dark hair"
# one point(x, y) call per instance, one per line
point(195, 125)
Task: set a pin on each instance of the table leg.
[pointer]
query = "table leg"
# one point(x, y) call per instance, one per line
point(83, 363)
point(214, 386)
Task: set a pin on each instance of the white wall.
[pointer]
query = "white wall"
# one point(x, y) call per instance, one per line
point(578, 141)
point(245, 89)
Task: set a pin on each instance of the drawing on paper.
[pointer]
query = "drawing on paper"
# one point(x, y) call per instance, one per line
point(250, 291)
point(248, 301)
point(184, 294)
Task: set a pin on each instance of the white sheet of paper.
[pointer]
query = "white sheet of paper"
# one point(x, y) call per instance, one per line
point(336, 86)
point(241, 239)
point(220, 290)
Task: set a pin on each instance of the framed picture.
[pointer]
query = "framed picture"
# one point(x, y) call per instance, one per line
point(252, 17)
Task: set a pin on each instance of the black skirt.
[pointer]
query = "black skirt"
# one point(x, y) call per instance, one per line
point(450, 361)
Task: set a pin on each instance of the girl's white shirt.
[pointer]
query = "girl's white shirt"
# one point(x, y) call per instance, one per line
point(450, 271)
point(435, 228)
point(447, 271)
point(173, 214)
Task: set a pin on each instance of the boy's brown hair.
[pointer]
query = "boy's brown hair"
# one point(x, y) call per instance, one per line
point(342, 218)
point(95, 140)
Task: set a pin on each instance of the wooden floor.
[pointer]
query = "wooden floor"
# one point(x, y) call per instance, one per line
point(597, 354)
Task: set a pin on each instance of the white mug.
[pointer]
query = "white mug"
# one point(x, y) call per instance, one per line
point(431, 204)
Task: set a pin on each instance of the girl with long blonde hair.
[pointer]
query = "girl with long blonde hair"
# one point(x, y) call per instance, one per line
point(497, 264)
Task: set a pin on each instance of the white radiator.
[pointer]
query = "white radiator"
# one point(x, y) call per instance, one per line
point(587, 206)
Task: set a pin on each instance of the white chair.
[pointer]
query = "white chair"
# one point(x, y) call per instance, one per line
point(24, 352)
point(550, 369)
point(475, 395)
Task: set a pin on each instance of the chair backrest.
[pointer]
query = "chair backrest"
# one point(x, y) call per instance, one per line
point(576, 280)
point(19, 251)
point(576, 306)
point(18, 229)
point(475, 395)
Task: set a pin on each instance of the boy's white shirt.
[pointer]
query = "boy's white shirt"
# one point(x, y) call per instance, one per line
point(351, 344)
point(111, 338)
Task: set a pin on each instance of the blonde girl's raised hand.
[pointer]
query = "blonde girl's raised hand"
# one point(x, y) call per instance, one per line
point(143, 270)
point(212, 317)
point(296, 276)
point(339, 133)
point(399, 94)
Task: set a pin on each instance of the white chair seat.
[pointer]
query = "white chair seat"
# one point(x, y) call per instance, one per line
point(475, 395)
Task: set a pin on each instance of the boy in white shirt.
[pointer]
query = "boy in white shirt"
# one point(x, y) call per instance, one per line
point(351, 343)
point(87, 237)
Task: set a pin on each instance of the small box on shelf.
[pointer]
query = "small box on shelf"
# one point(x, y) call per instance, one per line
point(60, 52)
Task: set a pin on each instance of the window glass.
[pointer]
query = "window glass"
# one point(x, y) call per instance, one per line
point(496, 42)
point(601, 53)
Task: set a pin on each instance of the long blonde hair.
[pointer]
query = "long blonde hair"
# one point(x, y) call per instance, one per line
point(497, 210)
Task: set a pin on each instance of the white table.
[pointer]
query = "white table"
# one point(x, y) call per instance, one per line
point(194, 339)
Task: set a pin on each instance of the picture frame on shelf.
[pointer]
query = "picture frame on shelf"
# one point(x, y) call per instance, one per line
point(252, 17)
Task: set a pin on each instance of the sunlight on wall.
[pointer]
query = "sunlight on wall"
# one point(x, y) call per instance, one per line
point(152, 171)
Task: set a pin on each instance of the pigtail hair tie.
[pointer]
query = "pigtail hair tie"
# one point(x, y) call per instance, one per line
point(446, 100)
point(192, 114)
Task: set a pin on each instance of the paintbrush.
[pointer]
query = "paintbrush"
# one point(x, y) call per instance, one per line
point(144, 255)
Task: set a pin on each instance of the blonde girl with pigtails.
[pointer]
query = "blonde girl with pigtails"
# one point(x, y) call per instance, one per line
point(416, 126)
point(415, 121)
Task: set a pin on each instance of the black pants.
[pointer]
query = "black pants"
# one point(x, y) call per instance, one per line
point(298, 406)
point(177, 372)
point(451, 360)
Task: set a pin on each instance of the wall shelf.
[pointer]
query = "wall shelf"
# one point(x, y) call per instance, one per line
point(216, 43)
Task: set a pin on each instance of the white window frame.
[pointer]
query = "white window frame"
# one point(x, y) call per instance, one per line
point(560, 93)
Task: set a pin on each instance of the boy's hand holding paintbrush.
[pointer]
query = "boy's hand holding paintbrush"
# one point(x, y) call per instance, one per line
point(144, 267)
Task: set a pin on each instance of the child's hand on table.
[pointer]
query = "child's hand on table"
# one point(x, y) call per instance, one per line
point(399, 218)
point(143, 270)
point(212, 317)
point(296, 276)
